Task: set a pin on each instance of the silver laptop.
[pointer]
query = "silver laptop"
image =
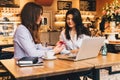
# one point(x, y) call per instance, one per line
point(90, 48)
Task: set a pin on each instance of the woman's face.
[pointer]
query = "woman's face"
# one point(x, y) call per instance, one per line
point(70, 21)
point(39, 20)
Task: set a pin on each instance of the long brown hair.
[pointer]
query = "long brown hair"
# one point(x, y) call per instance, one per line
point(29, 16)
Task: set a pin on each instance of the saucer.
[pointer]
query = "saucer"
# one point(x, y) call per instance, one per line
point(52, 58)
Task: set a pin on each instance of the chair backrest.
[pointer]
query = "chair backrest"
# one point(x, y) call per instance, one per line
point(6, 55)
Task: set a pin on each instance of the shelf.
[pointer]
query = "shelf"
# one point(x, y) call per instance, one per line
point(11, 22)
point(59, 20)
point(8, 28)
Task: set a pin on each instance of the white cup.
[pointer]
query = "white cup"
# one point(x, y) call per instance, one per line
point(49, 54)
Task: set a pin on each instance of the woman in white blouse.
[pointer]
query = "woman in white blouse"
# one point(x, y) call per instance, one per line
point(27, 39)
point(72, 35)
point(74, 32)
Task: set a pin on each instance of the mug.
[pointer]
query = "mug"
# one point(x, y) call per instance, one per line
point(49, 54)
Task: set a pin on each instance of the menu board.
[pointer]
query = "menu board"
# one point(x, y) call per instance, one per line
point(64, 5)
point(88, 5)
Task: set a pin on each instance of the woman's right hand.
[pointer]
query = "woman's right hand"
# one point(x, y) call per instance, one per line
point(59, 47)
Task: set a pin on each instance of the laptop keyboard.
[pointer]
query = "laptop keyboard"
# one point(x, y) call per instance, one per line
point(68, 56)
point(72, 57)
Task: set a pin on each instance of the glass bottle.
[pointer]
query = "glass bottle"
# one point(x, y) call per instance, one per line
point(104, 50)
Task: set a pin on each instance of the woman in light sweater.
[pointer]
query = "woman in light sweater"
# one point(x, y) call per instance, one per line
point(26, 38)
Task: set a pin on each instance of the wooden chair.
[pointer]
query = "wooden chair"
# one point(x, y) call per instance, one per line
point(4, 74)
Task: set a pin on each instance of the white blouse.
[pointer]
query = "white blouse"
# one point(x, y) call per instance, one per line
point(74, 43)
point(25, 46)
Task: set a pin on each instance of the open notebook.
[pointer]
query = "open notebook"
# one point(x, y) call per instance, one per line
point(90, 48)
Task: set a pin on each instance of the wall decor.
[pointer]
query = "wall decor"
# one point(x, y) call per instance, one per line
point(64, 5)
point(88, 5)
point(10, 3)
point(44, 2)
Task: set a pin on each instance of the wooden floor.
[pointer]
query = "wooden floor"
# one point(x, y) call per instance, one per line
point(104, 75)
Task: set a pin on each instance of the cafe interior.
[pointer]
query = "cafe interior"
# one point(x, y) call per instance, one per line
point(103, 67)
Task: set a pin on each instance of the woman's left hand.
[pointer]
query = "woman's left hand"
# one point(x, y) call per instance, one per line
point(74, 51)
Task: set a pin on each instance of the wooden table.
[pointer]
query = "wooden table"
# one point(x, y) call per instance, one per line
point(5, 42)
point(4, 45)
point(50, 68)
point(114, 42)
point(8, 49)
point(114, 46)
point(103, 62)
point(57, 67)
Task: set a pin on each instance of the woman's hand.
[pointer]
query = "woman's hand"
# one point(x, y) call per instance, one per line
point(60, 43)
point(59, 47)
point(75, 51)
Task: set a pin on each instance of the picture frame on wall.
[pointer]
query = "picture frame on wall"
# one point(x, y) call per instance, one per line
point(64, 5)
point(88, 5)
point(46, 18)
point(10, 3)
